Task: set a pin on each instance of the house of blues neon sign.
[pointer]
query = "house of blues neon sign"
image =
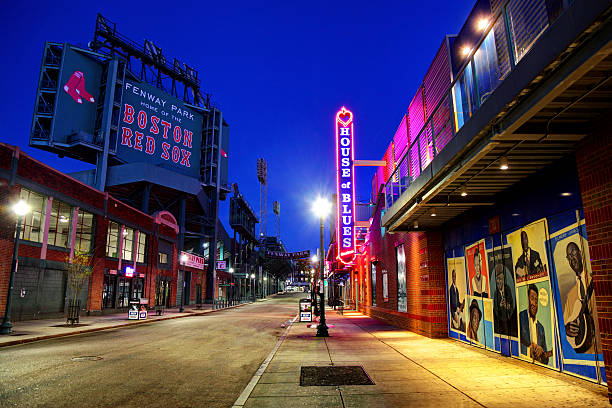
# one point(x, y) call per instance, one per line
point(345, 186)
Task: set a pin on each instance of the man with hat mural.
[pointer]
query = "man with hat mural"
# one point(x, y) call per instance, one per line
point(474, 324)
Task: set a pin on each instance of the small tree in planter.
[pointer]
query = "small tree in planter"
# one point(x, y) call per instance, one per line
point(78, 270)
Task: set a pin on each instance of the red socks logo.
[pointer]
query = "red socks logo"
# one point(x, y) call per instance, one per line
point(75, 87)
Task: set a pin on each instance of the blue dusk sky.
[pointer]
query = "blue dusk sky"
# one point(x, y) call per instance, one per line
point(279, 71)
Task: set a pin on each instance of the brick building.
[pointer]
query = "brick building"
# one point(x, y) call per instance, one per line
point(492, 213)
point(134, 254)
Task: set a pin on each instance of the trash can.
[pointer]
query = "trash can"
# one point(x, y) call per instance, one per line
point(305, 310)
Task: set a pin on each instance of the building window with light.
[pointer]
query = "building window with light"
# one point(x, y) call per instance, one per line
point(112, 240)
point(33, 222)
point(59, 224)
point(127, 249)
point(141, 247)
point(84, 231)
point(163, 258)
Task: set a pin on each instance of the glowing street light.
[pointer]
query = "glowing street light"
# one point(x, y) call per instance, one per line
point(322, 208)
point(184, 259)
point(21, 208)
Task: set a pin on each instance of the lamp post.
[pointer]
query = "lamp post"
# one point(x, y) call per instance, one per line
point(231, 295)
point(183, 261)
point(322, 208)
point(252, 286)
point(20, 209)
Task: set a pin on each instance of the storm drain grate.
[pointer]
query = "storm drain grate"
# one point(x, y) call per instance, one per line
point(334, 375)
point(87, 358)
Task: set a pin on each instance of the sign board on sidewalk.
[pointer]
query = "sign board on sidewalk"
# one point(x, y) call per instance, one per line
point(305, 310)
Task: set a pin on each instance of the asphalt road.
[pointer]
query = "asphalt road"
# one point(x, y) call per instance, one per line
point(203, 361)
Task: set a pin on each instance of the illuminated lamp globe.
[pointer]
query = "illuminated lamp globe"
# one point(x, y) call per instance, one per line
point(314, 259)
point(252, 276)
point(21, 208)
point(321, 207)
point(231, 270)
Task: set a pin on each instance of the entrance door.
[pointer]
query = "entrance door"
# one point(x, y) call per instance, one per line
point(123, 292)
point(402, 302)
point(108, 291)
point(187, 286)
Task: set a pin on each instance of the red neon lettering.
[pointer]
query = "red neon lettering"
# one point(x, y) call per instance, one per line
point(166, 126)
point(138, 141)
point(165, 155)
point(150, 149)
point(128, 113)
point(185, 159)
point(154, 128)
point(187, 138)
point(142, 119)
point(126, 137)
point(177, 134)
point(175, 154)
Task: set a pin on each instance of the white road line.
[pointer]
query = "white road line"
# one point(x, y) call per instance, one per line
point(242, 399)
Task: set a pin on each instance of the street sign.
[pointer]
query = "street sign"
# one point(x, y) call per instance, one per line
point(221, 265)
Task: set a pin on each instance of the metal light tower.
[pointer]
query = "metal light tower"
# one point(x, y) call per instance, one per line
point(276, 209)
point(262, 176)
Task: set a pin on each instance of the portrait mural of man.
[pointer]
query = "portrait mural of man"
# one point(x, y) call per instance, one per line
point(477, 269)
point(502, 286)
point(529, 251)
point(535, 323)
point(456, 293)
point(575, 282)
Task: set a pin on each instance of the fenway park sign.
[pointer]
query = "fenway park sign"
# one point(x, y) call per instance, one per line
point(287, 255)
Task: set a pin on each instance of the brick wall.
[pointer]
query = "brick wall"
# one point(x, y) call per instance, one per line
point(425, 279)
point(594, 162)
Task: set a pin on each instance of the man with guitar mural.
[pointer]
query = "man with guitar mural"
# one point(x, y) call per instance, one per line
point(578, 312)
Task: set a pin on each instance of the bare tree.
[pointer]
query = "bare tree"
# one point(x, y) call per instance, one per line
point(78, 269)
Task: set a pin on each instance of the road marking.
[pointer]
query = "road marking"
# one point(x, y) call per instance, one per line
point(242, 399)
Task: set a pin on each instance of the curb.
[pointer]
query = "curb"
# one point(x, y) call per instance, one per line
point(116, 326)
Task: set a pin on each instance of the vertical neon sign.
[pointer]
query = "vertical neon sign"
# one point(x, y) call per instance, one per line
point(345, 187)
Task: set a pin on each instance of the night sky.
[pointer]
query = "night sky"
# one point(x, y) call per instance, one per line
point(279, 71)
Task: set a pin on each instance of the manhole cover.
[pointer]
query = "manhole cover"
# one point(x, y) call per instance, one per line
point(87, 358)
point(18, 334)
point(334, 375)
point(70, 325)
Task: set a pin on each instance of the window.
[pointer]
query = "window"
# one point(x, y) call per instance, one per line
point(59, 224)
point(141, 248)
point(84, 231)
point(127, 249)
point(163, 258)
point(112, 240)
point(33, 222)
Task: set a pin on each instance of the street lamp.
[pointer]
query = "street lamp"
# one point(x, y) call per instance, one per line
point(20, 209)
point(252, 286)
point(321, 207)
point(183, 261)
point(231, 287)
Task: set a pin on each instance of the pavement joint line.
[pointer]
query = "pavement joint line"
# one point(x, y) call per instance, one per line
point(116, 326)
point(415, 362)
point(246, 393)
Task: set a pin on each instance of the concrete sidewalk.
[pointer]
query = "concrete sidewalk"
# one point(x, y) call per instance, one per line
point(35, 330)
point(410, 370)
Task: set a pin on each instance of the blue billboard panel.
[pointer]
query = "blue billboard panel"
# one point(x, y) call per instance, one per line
point(158, 129)
point(77, 97)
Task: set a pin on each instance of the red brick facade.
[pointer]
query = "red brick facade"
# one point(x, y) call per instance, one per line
point(425, 279)
point(48, 181)
point(594, 161)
